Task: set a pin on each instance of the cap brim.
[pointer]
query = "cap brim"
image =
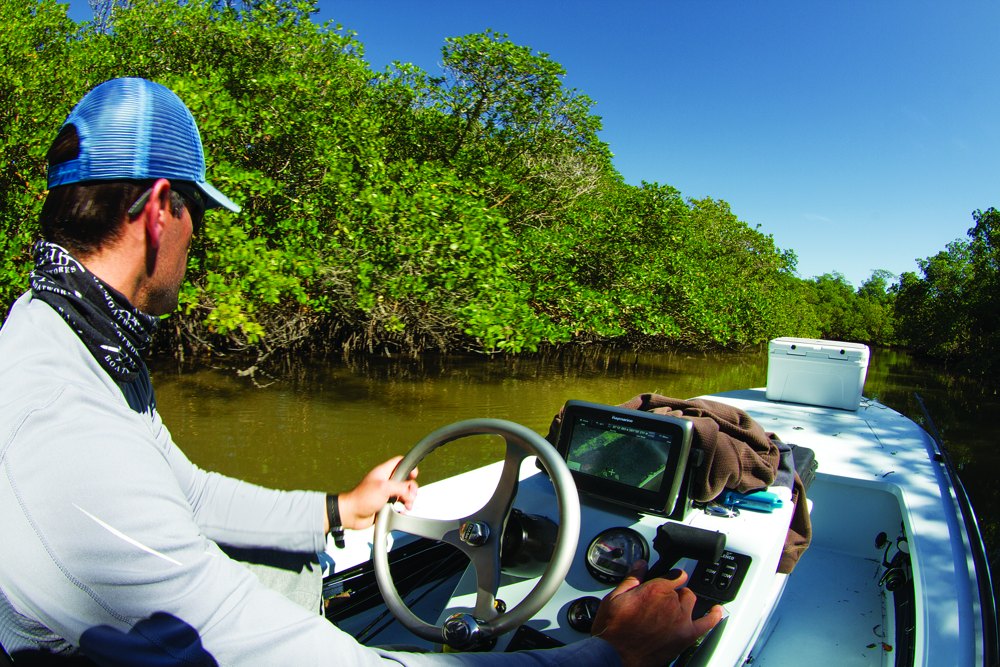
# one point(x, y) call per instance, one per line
point(216, 199)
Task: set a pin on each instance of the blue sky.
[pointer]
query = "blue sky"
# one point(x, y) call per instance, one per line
point(860, 134)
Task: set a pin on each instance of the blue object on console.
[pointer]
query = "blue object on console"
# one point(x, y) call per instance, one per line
point(758, 501)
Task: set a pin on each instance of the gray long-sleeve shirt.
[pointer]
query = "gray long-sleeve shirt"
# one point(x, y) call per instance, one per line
point(109, 533)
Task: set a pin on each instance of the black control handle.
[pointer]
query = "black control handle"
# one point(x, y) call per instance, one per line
point(674, 541)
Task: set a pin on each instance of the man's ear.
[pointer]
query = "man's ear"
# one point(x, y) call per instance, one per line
point(157, 206)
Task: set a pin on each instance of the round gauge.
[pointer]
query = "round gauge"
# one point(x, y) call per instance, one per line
point(581, 612)
point(611, 554)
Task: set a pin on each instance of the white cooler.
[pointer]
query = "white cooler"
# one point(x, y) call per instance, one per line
point(816, 372)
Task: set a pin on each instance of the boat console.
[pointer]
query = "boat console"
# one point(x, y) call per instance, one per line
point(632, 470)
point(731, 558)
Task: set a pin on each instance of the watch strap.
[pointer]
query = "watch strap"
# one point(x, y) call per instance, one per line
point(336, 524)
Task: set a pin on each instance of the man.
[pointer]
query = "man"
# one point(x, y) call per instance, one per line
point(111, 536)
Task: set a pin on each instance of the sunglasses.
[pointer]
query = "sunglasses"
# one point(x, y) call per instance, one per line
point(194, 202)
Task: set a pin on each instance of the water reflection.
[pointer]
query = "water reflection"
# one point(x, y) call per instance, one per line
point(324, 426)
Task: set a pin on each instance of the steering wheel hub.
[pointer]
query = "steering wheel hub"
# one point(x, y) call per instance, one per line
point(461, 630)
point(475, 533)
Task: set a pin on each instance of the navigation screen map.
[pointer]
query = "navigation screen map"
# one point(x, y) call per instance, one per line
point(619, 452)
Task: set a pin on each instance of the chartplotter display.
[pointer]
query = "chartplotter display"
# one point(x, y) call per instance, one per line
point(626, 457)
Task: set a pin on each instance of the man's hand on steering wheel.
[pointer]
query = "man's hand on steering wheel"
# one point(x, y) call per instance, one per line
point(359, 506)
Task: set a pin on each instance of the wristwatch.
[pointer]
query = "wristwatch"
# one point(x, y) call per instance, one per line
point(336, 525)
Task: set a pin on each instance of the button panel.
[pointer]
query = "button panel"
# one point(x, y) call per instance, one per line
point(720, 580)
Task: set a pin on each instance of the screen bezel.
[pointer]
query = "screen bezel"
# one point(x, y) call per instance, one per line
point(661, 501)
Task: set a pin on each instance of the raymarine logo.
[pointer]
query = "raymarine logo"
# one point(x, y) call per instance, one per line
point(627, 420)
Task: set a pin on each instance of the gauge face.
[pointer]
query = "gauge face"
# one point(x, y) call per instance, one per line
point(611, 554)
point(580, 613)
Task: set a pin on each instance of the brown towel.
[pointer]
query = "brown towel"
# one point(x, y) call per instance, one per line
point(799, 531)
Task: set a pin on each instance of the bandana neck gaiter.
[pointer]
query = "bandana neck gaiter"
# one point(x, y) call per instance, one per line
point(114, 331)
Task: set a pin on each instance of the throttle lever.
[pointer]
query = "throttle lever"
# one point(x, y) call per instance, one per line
point(674, 541)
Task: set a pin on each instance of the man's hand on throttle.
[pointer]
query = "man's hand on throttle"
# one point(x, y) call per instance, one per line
point(649, 623)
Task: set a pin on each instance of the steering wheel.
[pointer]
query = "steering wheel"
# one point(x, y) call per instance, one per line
point(478, 535)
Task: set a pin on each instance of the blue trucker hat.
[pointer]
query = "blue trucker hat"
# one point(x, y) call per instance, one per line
point(135, 129)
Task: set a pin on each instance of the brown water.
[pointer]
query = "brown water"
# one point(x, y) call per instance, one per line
point(325, 426)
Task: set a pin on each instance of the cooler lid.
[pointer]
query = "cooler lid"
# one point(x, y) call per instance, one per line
point(819, 348)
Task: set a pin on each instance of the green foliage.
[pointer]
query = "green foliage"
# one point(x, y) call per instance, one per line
point(984, 293)
point(472, 209)
point(952, 311)
point(500, 115)
point(36, 40)
point(930, 310)
point(876, 309)
point(834, 310)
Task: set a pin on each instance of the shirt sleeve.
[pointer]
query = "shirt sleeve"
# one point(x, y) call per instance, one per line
point(241, 514)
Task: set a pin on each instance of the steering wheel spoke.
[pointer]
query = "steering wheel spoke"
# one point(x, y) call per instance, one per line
point(497, 508)
point(442, 530)
point(487, 566)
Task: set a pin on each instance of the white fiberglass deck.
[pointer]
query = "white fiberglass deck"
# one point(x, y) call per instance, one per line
point(876, 465)
point(832, 611)
point(827, 610)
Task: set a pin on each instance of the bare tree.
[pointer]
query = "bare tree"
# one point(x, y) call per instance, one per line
point(104, 11)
